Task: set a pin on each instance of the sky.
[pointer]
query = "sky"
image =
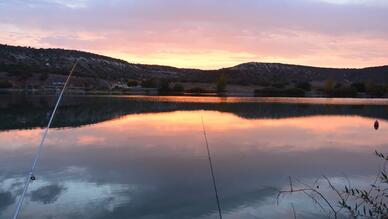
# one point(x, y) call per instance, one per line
point(206, 34)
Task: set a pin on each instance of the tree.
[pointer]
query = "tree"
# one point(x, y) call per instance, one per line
point(339, 90)
point(276, 92)
point(149, 83)
point(374, 90)
point(329, 86)
point(43, 76)
point(346, 91)
point(132, 83)
point(164, 87)
point(279, 85)
point(221, 84)
point(359, 86)
point(304, 85)
point(197, 90)
point(338, 85)
point(178, 88)
point(5, 84)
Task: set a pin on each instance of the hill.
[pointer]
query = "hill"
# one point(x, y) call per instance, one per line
point(21, 63)
point(285, 72)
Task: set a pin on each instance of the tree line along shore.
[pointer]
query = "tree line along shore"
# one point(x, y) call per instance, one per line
point(328, 88)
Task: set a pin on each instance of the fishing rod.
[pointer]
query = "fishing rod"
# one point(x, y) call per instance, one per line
point(211, 169)
point(30, 176)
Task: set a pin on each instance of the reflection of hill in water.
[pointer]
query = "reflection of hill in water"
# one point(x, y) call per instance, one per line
point(17, 112)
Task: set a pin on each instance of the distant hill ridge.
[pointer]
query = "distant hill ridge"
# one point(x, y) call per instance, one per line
point(16, 60)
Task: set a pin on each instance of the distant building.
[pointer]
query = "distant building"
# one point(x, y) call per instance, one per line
point(57, 84)
point(120, 85)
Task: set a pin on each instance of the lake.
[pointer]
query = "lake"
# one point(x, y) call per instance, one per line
point(145, 157)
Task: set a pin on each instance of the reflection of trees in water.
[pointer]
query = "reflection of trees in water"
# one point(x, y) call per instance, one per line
point(21, 112)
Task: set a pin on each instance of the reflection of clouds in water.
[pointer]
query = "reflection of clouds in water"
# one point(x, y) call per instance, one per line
point(101, 200)
point(6, 199)
point(164, 153)
point(47, 194)
point(166, 203)
point(71, 199)
point(90, 200)
point(267, 208)
point(306, 206)
point(8, 189)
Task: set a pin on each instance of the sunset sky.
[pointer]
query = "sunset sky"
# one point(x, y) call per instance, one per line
point(206, 34)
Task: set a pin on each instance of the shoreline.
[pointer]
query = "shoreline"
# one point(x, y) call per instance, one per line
point(154, 92)
point(224, 99)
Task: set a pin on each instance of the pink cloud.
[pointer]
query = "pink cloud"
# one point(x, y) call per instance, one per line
point(188, 33)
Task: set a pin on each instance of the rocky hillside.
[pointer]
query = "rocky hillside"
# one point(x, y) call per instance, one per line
point(284, 72)
point(24, 62)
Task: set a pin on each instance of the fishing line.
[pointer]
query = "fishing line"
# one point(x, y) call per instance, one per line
point(30, 177)
point(211, 169)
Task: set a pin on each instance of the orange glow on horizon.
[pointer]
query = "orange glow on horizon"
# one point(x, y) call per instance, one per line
point(215, 60)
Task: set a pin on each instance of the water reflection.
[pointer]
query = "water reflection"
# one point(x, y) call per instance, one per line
point(47, 194)
point(6, 199)
point(154, 164)
point(71, 199)
point(83, 110)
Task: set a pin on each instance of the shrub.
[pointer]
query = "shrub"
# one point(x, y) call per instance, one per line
point(304, 86)
point(279, 85)
point(329, 86)
point(43, 76)
point(264, 83)
point(150, 83)
point(374, 90)
point(132, 83)
point(197, 90)
point(5, 84)
point(178, 88)
point(221, 84)
point(342, 92)
point(275, 92)
point(338, 85)
point(164, 87)
point(360, 87)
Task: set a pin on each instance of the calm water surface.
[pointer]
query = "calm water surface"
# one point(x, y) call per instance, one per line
point(145, 157)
